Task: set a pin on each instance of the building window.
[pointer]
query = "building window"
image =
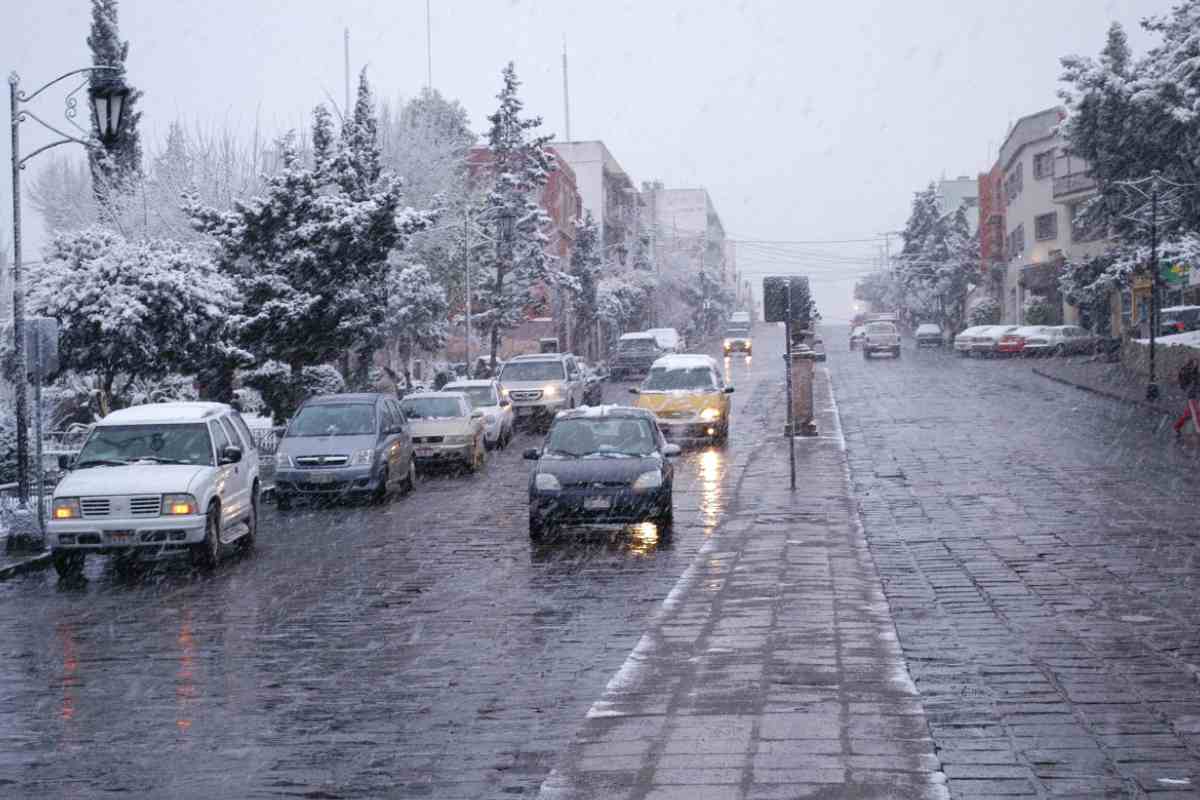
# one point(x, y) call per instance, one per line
point(1043, 165)
point(1014, 182)
point(1016, 241)
point(1045, 226)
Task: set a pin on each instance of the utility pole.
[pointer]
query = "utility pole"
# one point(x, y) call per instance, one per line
point(1152, 387)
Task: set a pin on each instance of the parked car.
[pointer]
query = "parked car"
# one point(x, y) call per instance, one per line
point(857, 334)
point(541, 385)
point(635, 353)
point(1068, 340)
point(929, 335)
point(881, 337)
point(156, 479)
point(984, 341)
point(1013, 342)
point(688, 396)
point(486, 396)
point(345, 444)
point(593, 382)
point(601, 465)
point(445, 430)
point(669, 340)
point(1178, 319)
point(965, 338)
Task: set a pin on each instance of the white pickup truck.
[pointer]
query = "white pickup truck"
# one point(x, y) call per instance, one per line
point(881, 337)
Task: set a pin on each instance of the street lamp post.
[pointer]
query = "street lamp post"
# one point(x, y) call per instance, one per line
point(108, 101)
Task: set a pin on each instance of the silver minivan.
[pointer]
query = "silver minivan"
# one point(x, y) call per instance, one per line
point(345, 444)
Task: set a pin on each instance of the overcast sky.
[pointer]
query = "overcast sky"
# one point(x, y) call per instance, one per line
point(805, 120)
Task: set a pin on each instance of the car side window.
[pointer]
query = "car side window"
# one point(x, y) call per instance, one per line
point(234, 438)
point(220, 438)
point(399, 411)
point(244, 429)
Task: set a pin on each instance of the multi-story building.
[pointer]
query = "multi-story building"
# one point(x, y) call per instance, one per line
point(605, 190)
point(687, 231)
point(961, 192)
point(1034, 193)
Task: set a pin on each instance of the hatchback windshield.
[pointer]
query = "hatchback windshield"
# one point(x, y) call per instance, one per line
point(583, 437)
point(673, 379)
point(167, 444)
point(479, 396)
point(736, 331)
point(431, 408)
point(333, 419)
point(533, 371)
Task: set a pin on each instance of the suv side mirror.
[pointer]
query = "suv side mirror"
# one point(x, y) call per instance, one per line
point(65, 461)
point(728, 390)
point(531, 454)
point(230, 455)
point(670, 450)
point(477, 414)
point(634, 390)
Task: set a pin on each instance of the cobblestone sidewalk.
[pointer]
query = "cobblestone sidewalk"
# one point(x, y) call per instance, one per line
point(772, 669)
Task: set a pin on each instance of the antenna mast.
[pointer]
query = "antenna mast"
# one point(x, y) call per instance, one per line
point(566, 93)
point(346, 41)
point(429, 45)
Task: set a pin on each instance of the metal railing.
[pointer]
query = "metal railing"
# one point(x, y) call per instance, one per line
point(1076, 182)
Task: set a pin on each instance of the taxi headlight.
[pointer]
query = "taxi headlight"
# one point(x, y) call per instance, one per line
point(710, 414)
point(545, 482)
point(175, 505)
point(648, 480)
point(66, 508)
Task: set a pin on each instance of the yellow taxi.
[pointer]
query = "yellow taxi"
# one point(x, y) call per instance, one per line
point(688, 395)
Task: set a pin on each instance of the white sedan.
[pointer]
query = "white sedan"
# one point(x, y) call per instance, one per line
point(486, 396)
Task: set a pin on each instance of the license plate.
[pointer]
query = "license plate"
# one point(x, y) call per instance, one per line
point(597, 503)
point(524, 411)
point(322, 477)
point(424, 452)
point(120, 537)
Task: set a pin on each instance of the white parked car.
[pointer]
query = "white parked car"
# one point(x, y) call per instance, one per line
point(965, 338)
point(154, 479)
point(445, 430)
point(1060, 340)
point(486, 396)
point(984, 340)
point(928, 335)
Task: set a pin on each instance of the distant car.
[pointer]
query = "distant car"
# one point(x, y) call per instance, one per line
point(984, 340)
point(1013, 343)
point(446, 430)
point(668, 339)
point(635, 353)
point(1179, 319)
point(157, 478)
point(1070, 340)
point(738, 339)
point(486, 396)
point(593, 383)
point(965, 338)
point(881, 337)
point(857, 334)
point(343, 444)
point(929, 335)
point(601, 465)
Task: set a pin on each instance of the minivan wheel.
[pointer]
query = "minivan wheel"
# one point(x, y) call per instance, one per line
point(68, 564)
point(380, 495)
point(207, 553)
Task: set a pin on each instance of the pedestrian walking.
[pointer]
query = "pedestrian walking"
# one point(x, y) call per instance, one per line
point(1189, 382)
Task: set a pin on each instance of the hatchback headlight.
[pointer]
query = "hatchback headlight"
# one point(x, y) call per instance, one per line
point(175, 505)
point(545, 482)
point(66, 508)
point(648, 480)
point(283, 461)
point(363, 458)
point(710, 414)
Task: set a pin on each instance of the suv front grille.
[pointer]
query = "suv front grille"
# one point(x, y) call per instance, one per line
point(428, 439)
point(95, 506)
point(311, 462)
point(525, 395)
point(148, 506)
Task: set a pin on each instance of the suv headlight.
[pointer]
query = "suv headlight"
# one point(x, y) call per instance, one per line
point(363, 458)
point(545, 482)
point(66, 508)
point(283, 461)
point(459, 439)
point(648, 480)
point(550, 390)
point(710, 414)
point(175, 505)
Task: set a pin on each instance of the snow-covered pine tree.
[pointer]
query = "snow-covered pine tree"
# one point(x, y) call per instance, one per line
point(417, 314)
point(116, 168)
point(520, 166)
point(585, 270)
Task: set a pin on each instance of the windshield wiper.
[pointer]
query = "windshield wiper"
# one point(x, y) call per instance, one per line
point(566, 453)
point(101, 462)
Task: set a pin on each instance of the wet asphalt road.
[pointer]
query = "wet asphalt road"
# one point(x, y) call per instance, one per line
point(422, 649)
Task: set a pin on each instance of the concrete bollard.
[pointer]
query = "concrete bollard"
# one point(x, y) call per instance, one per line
point(800, 369)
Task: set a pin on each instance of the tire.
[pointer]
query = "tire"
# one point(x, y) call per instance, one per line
point(248, 541)
point(380, 496)
point(538, 529)
point(283, 500)
point(207, 554)
point(866, 355)
point(410, 480)
point(68, 564)
point(896, 352)
point(476, 459)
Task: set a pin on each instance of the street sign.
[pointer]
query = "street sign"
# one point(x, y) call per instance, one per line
point(1173, 273)
point(785, 298)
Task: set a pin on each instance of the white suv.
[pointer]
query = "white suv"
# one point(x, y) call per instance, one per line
point(539, 386)
point(154, 479)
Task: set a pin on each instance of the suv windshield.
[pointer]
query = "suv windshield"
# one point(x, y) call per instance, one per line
point(881, 327)
point(671, 379)
point(601, 437)
point(431, 407)
point(479, 396)
point(333, 419)
point(167, 444)
point(533, 371)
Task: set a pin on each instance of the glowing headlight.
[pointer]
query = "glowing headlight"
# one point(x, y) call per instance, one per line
point(550, 390)
point(545, 482)
point(175, 505)
point(648, 480)
point(728, 343)
point(362, 458)
point(283, 461)
point(710, 414)
point(66, 508)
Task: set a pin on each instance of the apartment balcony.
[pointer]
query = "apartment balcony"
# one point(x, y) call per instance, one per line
point(1067, 185)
